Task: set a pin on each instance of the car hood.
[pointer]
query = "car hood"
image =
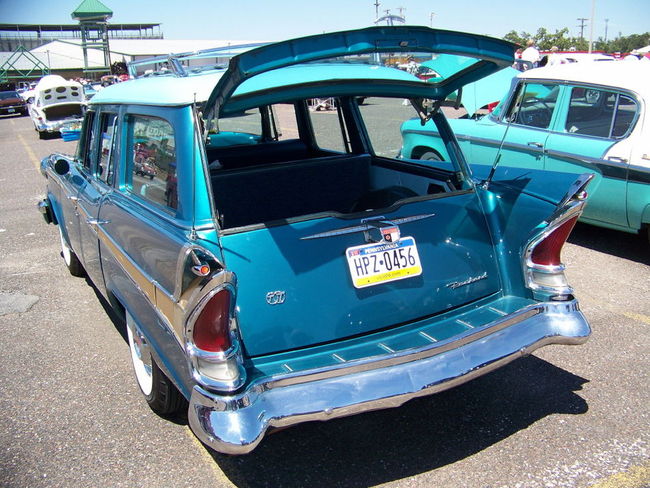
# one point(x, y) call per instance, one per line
point(484, 56)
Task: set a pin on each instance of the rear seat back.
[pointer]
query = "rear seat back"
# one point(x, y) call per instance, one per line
point(281, 191)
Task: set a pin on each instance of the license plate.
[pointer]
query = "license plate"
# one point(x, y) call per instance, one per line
point(373, 264)
point(11, 110)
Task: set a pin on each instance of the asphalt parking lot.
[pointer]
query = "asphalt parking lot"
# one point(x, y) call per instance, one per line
point(72, 414)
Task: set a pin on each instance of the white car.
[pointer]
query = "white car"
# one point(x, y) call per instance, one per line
point(57, 102)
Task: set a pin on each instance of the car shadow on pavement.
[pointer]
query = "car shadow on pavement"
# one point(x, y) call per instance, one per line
point(422, 435)
point(634, 247)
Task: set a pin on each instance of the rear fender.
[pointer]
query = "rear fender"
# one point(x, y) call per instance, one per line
point(517, 217)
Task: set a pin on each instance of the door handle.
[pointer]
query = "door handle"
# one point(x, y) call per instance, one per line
point(97, 222)
point(617, 159)
point(538, 145)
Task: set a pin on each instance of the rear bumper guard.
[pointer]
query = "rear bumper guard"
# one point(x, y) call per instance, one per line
point(235, 424)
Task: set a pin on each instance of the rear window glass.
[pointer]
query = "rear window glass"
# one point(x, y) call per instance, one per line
point(152, 166)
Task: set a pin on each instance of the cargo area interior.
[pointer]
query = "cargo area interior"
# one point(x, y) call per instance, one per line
point(276, 181)
point(63, 111)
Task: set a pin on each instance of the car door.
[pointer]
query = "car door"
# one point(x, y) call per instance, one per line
point(591, 135)
point(140, 231)
point(519, 136)
point(99, 181)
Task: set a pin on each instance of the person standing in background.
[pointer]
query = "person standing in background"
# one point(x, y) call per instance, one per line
point(531, 53)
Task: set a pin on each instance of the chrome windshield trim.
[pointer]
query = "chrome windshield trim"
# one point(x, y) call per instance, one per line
point(366, 225)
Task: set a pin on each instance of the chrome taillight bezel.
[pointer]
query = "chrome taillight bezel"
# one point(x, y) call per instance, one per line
point(538, 277)
point(221, 370)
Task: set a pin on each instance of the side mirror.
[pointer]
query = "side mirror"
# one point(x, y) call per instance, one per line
point(61, 167)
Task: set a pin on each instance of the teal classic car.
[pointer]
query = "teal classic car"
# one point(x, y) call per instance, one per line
point(281, 265)
point(575, 118)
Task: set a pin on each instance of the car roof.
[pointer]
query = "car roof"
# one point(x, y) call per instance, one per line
point(165, 90)
point(618, 74)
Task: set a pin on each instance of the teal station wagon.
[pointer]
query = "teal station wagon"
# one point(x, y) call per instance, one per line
point(576, 118)
point(276, 265)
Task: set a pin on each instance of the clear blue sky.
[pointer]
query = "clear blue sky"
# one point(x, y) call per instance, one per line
point(268, 20)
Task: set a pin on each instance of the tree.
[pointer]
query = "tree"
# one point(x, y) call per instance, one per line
point(545, 40)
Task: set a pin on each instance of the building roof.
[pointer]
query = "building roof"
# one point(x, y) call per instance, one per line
point(17, 28)
point(137, 47)
point(92, 9)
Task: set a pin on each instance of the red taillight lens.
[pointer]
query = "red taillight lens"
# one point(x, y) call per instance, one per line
point(212, 327)
point(547, 252)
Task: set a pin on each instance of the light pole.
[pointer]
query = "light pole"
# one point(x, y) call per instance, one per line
point(591, 26)
point(431, 18)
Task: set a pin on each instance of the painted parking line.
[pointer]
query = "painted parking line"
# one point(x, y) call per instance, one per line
point(30, 152)
point(635, 477)
point(586, 298)
point(218, 473)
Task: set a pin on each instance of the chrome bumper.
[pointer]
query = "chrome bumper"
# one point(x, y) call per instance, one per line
point(235, 424)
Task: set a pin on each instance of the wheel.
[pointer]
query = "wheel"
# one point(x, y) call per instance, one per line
point(151, 177)
point(159, 392)
point(431, 156)
point(41, 134)
point(71, 260)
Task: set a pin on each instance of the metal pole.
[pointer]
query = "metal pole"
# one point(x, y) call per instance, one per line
point(591, 26)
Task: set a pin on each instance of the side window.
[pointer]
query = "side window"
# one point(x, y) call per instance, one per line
point(249, 122)
point(107, 124)
point(384, 132)
point(267, 123)
point(599, 113)
point(85, 145)
point(327, 124)
point(152, 160)
point(534, 105)
point(283, 118)
point(625, 115)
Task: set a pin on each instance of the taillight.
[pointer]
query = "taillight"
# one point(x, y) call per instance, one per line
point(547, 251)
point(212, 327)
point(544, 268)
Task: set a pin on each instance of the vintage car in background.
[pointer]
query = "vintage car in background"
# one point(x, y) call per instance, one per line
point(572, 118)
point(282, 265)
point(11, 103)
point(57, 102)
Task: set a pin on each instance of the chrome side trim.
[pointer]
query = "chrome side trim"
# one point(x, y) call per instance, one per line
point(235, 424)
point(160, 300)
